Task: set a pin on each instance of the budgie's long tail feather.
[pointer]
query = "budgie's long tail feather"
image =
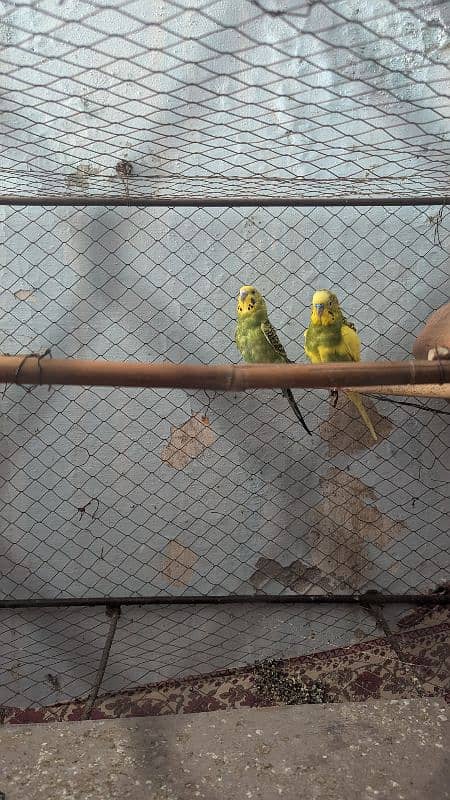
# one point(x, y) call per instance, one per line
point(357, 401)
point(290, 398)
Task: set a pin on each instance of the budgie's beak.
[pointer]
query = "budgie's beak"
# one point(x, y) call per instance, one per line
point(319, 308)
point(243, 294)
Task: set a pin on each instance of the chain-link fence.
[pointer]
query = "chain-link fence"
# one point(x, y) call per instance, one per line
point(120, 491)
point(128, 493)
point(270, 98)
point(138, 492)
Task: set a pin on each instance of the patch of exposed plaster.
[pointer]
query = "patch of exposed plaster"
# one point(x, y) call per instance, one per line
point(343, 524)
point(297, 576)
point(188, 441)
point(25, 294)
point(178, 564)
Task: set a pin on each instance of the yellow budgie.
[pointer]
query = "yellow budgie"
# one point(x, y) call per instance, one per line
point(330, 337)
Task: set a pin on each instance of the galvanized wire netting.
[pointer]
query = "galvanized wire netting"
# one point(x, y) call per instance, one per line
point(281, 97)
point(190, 658)
point(52, 655)
point(121, 492)
point(112, 492)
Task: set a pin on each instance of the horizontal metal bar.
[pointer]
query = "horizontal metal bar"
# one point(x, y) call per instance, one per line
point(33, 370)
point(202, 202)
point(373, 598)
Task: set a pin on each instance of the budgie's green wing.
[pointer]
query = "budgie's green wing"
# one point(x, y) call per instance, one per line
point(309, 352)
point(271, 337)
point(239, 337)
point(279, 354)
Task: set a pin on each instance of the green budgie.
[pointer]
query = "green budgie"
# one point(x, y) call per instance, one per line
point(257, 340)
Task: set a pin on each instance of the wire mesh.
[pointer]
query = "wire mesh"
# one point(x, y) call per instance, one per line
point(113, 492)
point(184, 659)
point(269, 98)
point(52, 657)
point(49, 657)
point(188, 642)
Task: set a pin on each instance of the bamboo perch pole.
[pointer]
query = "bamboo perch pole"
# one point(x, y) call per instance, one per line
point(32, 370)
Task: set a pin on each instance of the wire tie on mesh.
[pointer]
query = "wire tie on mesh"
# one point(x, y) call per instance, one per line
point(206, 410)
point(82, 510)
point(39, 357)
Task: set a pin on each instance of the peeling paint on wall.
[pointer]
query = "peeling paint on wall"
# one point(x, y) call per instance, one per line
point(178, 564)
point(344, 524)
point(25, 294)
point(188, 441)
point(297, 576)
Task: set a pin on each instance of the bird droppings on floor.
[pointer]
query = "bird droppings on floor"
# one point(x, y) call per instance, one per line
point(277, 686)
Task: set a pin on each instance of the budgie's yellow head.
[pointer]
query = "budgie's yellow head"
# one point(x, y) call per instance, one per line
point(325, 308)
point(250, 302)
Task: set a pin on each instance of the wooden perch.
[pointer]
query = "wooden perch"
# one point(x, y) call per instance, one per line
point(34, 370)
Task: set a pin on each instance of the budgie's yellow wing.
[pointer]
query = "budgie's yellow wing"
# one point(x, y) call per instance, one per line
point(347, 348)
point(351, 342)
